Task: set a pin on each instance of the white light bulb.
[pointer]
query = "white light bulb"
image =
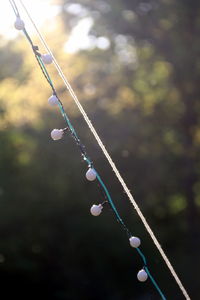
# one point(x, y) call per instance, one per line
point(53, 100)
point(91, 174)
point(47, 58)
point(19, 24)
point(57, 134)
point(96, 210)
point(134, 242)
point(142, 275)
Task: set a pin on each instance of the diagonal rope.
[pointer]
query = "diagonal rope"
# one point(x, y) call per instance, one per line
point(102, 186)
point(105, 152)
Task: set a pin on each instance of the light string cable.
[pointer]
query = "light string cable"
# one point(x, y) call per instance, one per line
point(127, 191)
point(101, 184)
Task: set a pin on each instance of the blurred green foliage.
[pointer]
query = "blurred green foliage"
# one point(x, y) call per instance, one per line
point(142, 93)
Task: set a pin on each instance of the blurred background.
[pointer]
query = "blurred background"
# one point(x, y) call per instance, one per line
point(135, 66)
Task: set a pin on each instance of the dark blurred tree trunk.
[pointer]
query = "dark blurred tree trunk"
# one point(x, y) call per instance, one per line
point(190, 176)
point(189, 90)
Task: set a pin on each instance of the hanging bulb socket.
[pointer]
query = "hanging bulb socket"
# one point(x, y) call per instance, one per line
point(96, 209)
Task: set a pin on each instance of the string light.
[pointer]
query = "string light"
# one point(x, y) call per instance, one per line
point(53, 100)
point(112, 164)
point(57, 134)
point(142, 275)
point(47, 58)
point(134, 242)
point(96, 209)
point(19, 24)
point(91, 174)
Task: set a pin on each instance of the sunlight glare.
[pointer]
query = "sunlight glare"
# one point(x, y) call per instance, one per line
point(41, 11)
point(79, 38)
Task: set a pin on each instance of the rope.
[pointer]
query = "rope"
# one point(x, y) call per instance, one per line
point(114, 168)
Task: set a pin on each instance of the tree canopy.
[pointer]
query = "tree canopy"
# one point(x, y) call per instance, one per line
point(139, 84)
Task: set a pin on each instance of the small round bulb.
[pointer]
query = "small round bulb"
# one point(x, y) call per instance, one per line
point(57, 134)
point(96, 210)
point(53, 100)
point(47, 58)
point(134, 242)
point(142, 275)
point(91, 174)
point(19, 24)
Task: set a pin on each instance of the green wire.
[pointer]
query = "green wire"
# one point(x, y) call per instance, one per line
point(74, 134)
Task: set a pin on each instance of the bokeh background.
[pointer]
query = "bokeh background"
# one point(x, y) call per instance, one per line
point(135, 66)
